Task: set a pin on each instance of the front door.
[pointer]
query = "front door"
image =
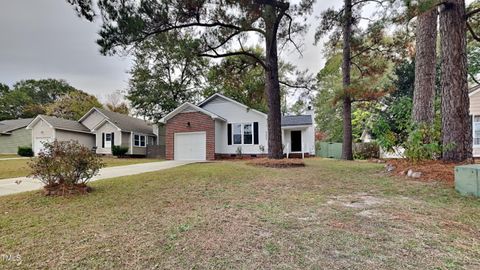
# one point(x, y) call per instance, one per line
point(296, 140)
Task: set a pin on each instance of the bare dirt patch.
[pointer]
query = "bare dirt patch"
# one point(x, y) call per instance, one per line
point(277, 163)
point(358, 201)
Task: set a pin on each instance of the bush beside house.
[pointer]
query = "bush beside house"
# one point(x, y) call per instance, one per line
point(119, 151)
point(25, 151)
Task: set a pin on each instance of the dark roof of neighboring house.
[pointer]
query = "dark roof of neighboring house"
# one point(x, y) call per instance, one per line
point(296, 120)
point(6, 126)
point(128, 123)
point(60, 123)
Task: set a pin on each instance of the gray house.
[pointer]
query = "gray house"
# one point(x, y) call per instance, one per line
point(13, 133)
point(47, 129)
point(111, 128)
point(98, 129)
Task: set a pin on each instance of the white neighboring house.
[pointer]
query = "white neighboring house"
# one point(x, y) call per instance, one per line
point(98, 129)
point(474, 96)
point(220, 127)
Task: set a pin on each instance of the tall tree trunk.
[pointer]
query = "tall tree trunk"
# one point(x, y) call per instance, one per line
point(456, 126)
point(272, 85)
point(347, 151)
point(425, 68)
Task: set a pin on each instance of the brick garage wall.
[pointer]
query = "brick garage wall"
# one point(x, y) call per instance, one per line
point(198, 122)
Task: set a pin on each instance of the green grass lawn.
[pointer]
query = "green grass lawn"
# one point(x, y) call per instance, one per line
point(328, 215)
point(19, 167)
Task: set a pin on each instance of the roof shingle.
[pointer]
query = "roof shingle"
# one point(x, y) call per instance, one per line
point(296, 120)
point(6, 126)
point(60, 123)
point(128, 123)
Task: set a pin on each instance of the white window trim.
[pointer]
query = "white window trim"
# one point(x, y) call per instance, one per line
point(473, 131)
point(139, 140)
point(242, 129)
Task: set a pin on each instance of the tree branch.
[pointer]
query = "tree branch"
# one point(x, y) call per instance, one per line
point(227, 54)
point(472, 32)
point(198, 24)
point(296, 86)
point(289, 38)
point(474, 79)
point(472, 12)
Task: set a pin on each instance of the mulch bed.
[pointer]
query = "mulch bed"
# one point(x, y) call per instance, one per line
point(66, 190)
point(432, 170)
point(277, 163)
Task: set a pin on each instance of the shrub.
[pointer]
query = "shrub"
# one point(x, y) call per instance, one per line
point(239, 151)
point(261, 148)
point(65, 167)
point(423, 144)
point(119, 151)
point(25, 151)
point(366, 150)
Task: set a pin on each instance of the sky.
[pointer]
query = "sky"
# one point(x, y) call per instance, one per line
point(45, 39)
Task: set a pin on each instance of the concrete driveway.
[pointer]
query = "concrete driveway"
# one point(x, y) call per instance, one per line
point(22, 184)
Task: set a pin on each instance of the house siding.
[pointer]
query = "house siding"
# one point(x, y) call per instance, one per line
point(107, 128)
point(235, 113)
point(125, 139)
point(475, 110)
point(308, 139)
point(42, 130)
point(85, 139)
point(9, 143)
point(93, 120)
point(198, 122)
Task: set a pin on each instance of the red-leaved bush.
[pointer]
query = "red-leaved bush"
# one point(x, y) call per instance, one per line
point(65, 167)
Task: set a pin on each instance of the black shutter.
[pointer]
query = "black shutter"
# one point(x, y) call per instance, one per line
point(113, 139)
point(255, 132)
point(103, 140)
point(229, 134)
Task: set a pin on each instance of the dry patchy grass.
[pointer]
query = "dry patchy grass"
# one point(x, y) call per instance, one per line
point(223, 215)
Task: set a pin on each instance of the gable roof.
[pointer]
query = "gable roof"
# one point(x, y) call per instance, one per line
point(296, 120)
point(60, 123)
point(186, 106)
point(123, 122)
point(7, 126)
point(216, 95)
point(474, 90)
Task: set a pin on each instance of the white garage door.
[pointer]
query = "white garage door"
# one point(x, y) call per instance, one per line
point(190, 146)
point(38, 144)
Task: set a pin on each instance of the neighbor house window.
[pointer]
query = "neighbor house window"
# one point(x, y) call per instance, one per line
point(476, 130)
point(237, 133)
point(247, 134)
point(242, 133)
point(139, 140)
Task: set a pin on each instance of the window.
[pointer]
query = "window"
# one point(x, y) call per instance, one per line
point(476, 130)
point(242, 133)
point(237, 133)
point(247, 134)
point(108, 140)
point(139, 140)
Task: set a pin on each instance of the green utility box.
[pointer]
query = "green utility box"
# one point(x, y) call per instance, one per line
point(330, 150)
point(467, 180)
